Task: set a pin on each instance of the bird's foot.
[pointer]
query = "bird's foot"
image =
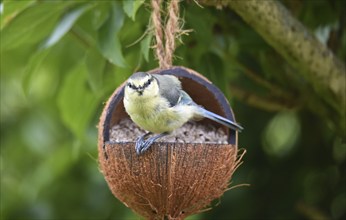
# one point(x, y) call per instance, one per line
point(140, 142)
point(143, 145)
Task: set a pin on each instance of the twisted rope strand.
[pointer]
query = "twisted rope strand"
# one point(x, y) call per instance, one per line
point(156, 19)
point(171, 30)
point(164, 52)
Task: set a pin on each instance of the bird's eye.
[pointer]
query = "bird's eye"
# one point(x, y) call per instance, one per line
point(148, 83)
point(130, 85)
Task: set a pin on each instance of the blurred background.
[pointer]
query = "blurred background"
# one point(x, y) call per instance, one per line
point(61, 60)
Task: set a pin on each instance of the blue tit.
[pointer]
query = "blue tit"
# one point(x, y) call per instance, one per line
point(158, 104)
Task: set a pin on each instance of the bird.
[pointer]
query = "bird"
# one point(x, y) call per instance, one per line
point(158, 104)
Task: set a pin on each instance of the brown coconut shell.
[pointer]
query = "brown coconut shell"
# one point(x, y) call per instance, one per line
point(171, 180)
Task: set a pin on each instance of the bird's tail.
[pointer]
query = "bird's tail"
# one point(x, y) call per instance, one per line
point(224, 121)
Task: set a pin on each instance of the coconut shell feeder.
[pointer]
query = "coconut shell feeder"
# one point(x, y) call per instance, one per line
point(171, 180)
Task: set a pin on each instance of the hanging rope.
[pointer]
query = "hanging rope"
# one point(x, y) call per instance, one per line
point(168, 34)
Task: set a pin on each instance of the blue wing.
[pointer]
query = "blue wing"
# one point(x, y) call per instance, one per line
point(170, 88)
point(185, 99)
point(224, 121)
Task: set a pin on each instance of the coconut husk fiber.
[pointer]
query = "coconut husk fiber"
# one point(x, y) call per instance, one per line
point(178, 175)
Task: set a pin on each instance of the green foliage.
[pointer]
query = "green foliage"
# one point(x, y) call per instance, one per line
point(76, 102)
point(65, 24)
point(131, 7)
point(108, 40)
point(61, 60)
point(31, 24)
point(145, 46)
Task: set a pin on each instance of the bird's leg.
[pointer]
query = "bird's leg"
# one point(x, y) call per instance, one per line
point(140, 142)
point(146, 144)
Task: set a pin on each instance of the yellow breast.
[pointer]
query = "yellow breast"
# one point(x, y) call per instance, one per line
point(152, 114)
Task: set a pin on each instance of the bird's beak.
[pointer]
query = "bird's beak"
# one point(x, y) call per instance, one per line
point(140, 92)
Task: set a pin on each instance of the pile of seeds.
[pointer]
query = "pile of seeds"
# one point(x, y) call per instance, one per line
point(191, 132)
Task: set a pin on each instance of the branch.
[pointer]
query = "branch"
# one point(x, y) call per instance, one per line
point(260, 81)
point(313, 60)
point(264, 103)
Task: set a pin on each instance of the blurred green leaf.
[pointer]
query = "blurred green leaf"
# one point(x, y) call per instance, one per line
point(95, 64)
point(49, 169)
point(9, 10)
point(310, 13)
point(76, 102)
point(145, 46)
point(339, 150)
point(34, 63)
point(281, 134)
point(65, 24)
point(131, 7)
point(201, 27)
point(100, 14)
point(108, 40)
point(212, 66)
point(31, 24)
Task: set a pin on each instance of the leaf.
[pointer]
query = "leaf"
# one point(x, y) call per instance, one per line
point(145, 46)
point(281, 134)
point(9, 10)
point(31, 68)
point(100, 14)
point(212, 67)
point(32, 24)
point(76, 102)
point(108, 40)
point(65, 24)
point(95, 64)
point(131, 7)
point(201, 27)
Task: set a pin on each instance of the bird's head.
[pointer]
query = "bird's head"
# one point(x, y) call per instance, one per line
point(141, 85)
